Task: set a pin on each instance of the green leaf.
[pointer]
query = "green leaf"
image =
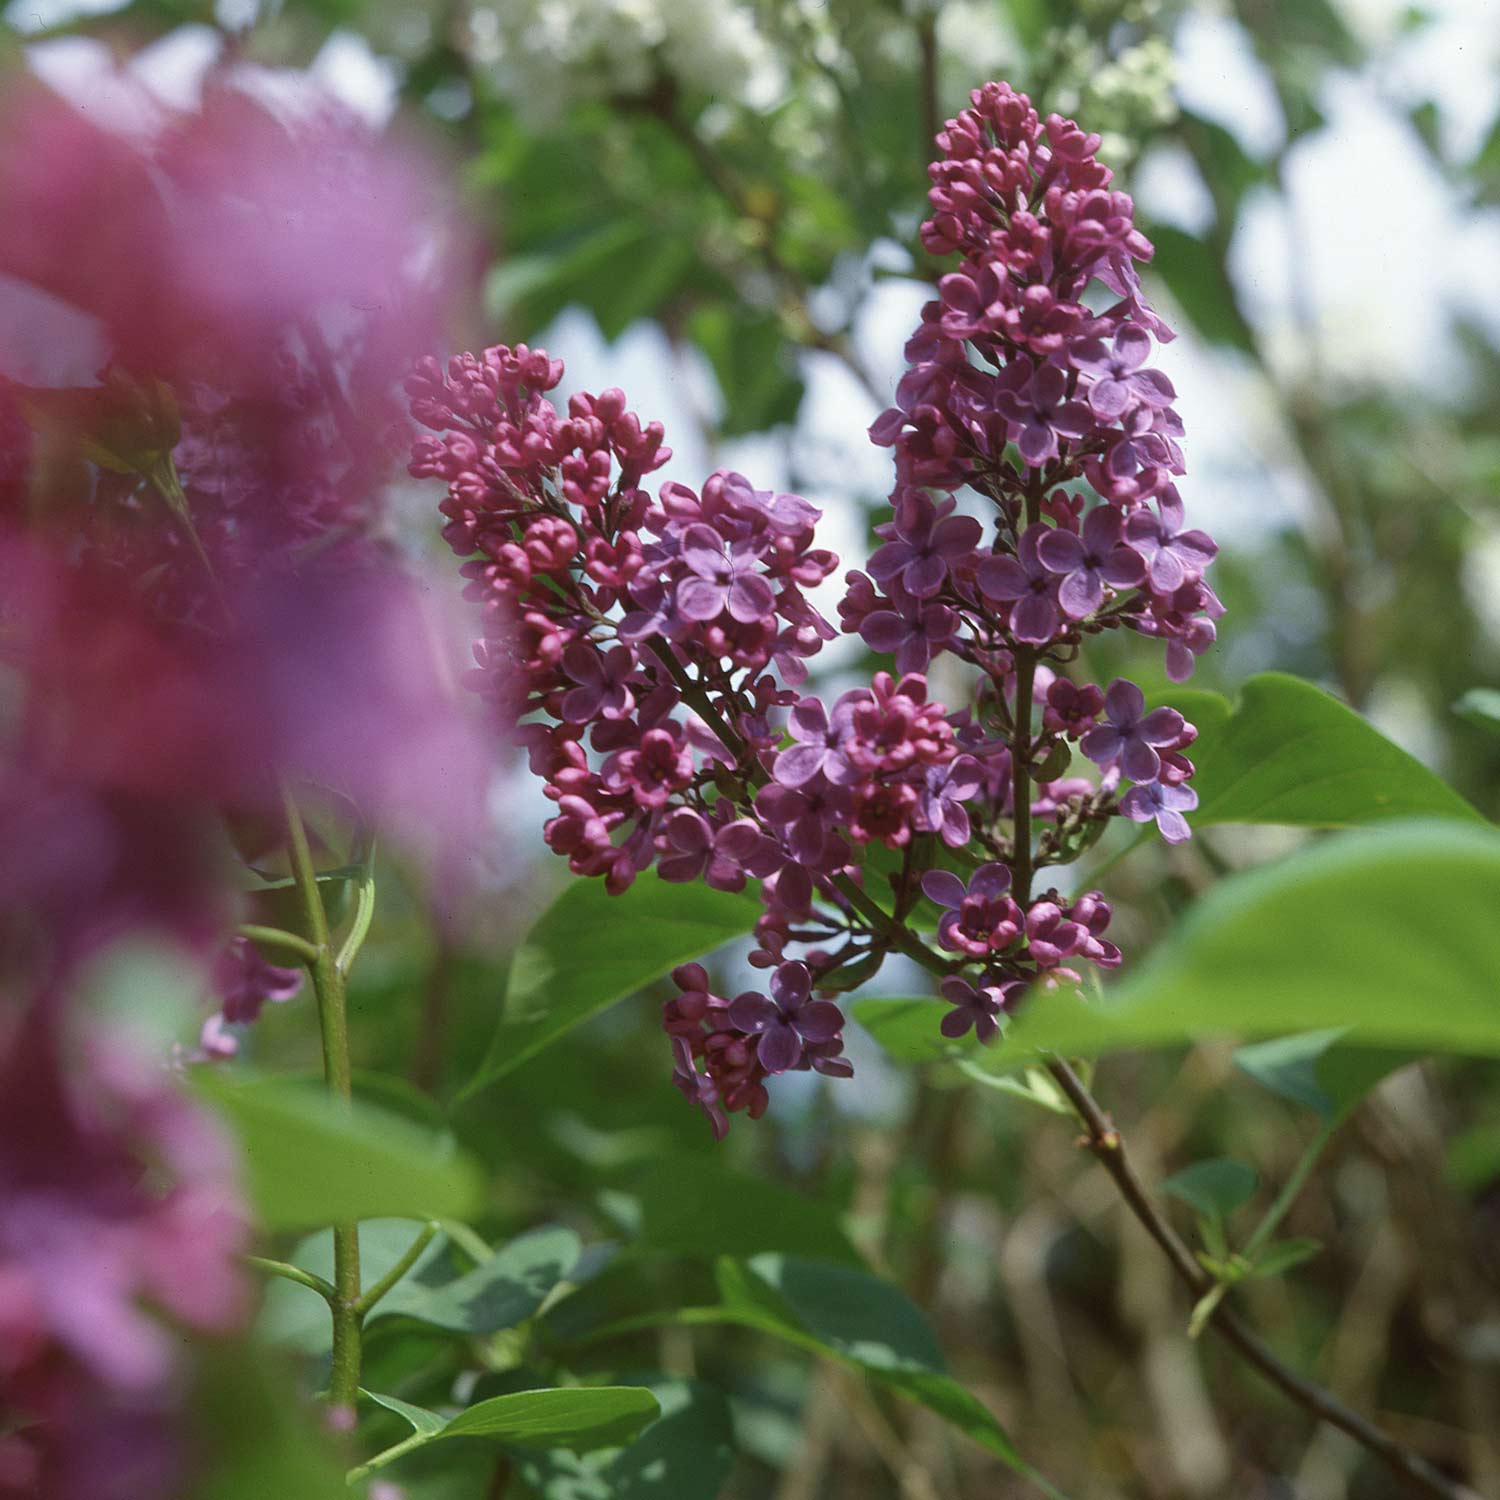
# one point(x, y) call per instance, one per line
point(1195, 277)
point(1480, 706)
point(1290, 753)
point(581, 1418)
point(867, 1323)
point(907, 1030)
point(428, 1423)
point(686, 1454)
point(591, 949)
point(1213, 1188)
point(1314, 1069)
point(1392, 931)
point(714, 1211)
point(502, 1292)
point(754, 364)
point(309, 1160)
point(1277, 1259)
point(265, 1441)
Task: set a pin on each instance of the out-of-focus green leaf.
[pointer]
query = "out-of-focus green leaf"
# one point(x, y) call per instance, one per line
point(1213, 1188)
point(309, 1160)
point(1290, 753)
point(502, 1292)
point(714, 1211)
point(1480, 706)
point(867, 1323)
point(1196, 280)
point(1319, 1069)
point(1277, 1259)
point(907, 1030)
point(264, 1441)
point(755, 366)
point(591, 949)
point(1391, 931)
point(621, 270)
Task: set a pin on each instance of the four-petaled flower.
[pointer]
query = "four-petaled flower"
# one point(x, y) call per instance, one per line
point(1132, 736)
point(1173, 556)
point(1167, 804)
point(979, 920)
point(601, 677)
point(819, 744)
point(913, 632)
point(720, 580)
point(1042, 409)
point(1025, 583)
point(788, 1022)
point(928, 540)
point(1086, 563)
point(1118, 376)
point(975, 1006)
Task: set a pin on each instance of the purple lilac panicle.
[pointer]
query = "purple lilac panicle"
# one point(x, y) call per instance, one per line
point(650, 648)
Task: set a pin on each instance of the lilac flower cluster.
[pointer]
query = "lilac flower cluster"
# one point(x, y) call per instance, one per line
point(649, 651)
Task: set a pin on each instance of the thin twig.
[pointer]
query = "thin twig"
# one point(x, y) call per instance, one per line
point(1109, 1150)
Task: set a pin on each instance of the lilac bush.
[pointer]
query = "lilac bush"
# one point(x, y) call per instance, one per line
point(651, 651)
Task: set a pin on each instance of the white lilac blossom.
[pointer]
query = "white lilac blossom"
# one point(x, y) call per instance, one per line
point(650, 651)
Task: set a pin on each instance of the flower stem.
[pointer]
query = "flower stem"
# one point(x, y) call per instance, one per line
point(333, 1021)
point(397, 1271)
point(1108, 1148)
point(293, 1273)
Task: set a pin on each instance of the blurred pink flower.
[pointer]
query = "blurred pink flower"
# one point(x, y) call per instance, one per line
point(120, 1217)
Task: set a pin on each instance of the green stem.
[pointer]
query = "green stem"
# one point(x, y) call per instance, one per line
point(294, 1273)
point(333, 1021)
point(1289, 1193)
point(396, 1272)
point(1020, 745)
point(273, 937)
point(388, 1455)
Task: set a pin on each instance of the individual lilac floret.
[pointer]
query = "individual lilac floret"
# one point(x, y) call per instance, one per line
point(820, 744)
point(1166, 804)
point(787, 1022)
point(941, 807)
point(928, 540)
point(1025, 583)
point(1173, 556)
point(1132, 736)
point(720, 580)
point(1042, 410)
point(601, 679)
point(1088, 562)
point(977, 1006)
point(913, 632)
point(692, 847)
point(1118, 375)
point(981, 919)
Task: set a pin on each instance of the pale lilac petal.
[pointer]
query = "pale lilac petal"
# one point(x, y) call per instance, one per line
point(1035, 620)
point(779, 1049)
point(698, 599)
point(1060, 551)
point(1081, 593)
point(943, 887)
point(1002, 578)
